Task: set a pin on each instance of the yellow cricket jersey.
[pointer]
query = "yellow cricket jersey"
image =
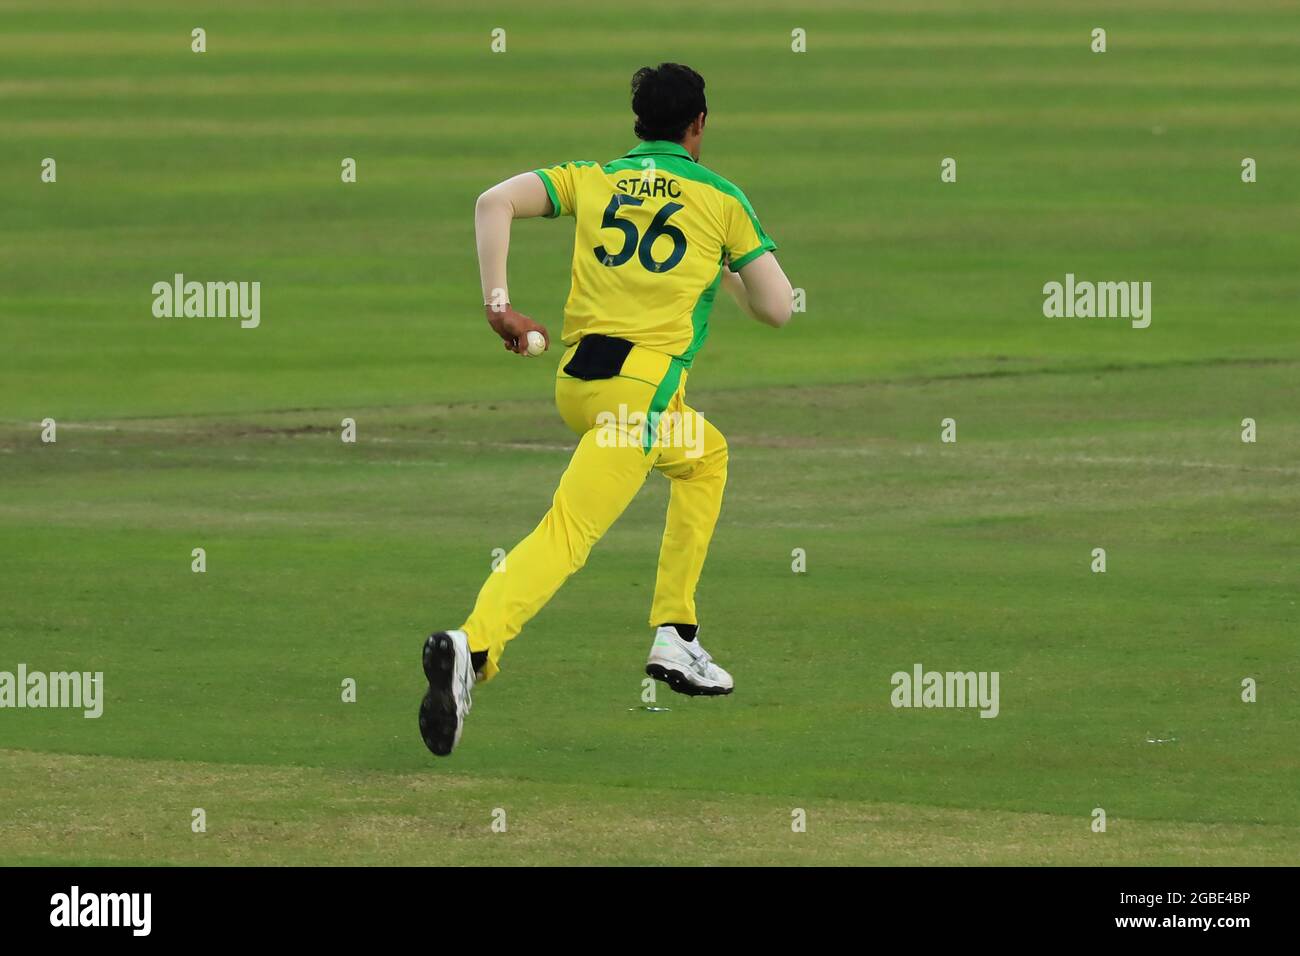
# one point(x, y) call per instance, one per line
point(653, 230)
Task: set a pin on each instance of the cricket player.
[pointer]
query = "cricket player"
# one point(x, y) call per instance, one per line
point(655, 235)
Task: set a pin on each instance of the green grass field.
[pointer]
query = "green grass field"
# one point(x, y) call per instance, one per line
point(328, 561)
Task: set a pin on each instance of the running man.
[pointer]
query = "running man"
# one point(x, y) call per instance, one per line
point(656, 234)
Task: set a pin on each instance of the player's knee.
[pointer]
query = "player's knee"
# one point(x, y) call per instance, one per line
point(707, 458)
point(575, 536)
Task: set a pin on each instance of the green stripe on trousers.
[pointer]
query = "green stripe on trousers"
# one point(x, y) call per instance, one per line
point(662, 396)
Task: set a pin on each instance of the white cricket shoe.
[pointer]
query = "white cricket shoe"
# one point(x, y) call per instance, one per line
point(685, 666)
point(450, 672)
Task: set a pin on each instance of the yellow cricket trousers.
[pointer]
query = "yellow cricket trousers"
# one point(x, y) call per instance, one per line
point(629, 424)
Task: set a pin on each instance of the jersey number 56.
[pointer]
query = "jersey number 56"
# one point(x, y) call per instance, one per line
point(641, 245)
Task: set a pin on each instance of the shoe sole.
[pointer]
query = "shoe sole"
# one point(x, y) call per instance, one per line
point(678, 682)
point(438, 709)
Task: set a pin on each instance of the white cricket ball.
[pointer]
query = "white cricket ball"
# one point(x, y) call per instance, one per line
point(536, 343)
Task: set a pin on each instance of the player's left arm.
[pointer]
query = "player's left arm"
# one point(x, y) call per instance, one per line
point(761, 289)
point(519, 197)
point(751, 274)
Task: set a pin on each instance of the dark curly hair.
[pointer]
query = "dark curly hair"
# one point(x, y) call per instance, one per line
point(666, 99)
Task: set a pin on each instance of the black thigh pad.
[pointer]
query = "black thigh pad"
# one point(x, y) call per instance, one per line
point(597, 357)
